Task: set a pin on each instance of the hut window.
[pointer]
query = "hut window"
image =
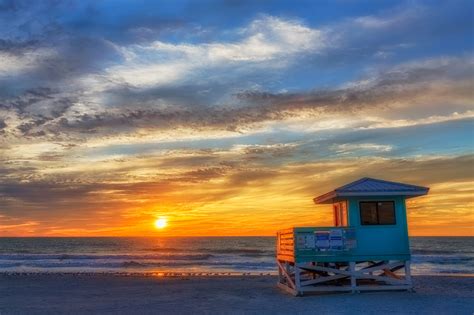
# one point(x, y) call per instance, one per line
point(377, 213)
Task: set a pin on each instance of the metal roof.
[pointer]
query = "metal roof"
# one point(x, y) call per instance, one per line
point(372, 187)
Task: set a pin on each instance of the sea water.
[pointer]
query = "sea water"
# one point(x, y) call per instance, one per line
point(218, 255)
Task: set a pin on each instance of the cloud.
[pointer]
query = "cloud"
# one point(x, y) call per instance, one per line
point(390, 123)
point(379, 103)
point(268, 41)
point(103, 118)
point(100, 87)
point(12, 64)
point(351, 147)
point(216, 191)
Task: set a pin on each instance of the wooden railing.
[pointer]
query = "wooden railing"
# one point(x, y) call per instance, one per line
point(286, 245)
point(299, 243)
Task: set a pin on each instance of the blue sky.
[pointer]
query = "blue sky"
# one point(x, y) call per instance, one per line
point(108, 97)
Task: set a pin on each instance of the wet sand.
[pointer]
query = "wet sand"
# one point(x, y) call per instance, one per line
point(113, 294)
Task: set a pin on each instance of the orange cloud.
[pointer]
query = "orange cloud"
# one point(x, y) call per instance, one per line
point(243, 200)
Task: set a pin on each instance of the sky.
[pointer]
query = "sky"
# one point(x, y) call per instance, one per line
point(228, 117)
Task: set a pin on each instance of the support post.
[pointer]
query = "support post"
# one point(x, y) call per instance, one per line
point(297, 280)
point(408, 274)
point(280, 275)
point(353, 276)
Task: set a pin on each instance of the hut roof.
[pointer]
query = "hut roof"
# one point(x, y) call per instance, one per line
point(372, 187)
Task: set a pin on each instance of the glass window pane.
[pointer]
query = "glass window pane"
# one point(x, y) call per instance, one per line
point(368, 213)
point(386, 213)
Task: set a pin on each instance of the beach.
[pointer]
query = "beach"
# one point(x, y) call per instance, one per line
point(138, 294)
point(207, 275)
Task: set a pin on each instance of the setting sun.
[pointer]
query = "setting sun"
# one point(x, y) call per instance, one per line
point(161, 223)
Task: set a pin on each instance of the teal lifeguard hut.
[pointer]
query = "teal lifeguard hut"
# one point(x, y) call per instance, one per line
point(366, 249)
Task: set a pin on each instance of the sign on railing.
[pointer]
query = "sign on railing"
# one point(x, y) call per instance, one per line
point(337, 239)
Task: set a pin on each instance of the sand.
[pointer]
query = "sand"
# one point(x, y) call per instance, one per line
point(107, 294)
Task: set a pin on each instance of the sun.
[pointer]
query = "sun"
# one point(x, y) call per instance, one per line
point(161, 223)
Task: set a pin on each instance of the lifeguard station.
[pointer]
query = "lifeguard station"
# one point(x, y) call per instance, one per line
point(366, 249)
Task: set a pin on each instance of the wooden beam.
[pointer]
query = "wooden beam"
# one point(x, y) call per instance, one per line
point(322, 280)
point(391, 274)
point(326, 269)
point(286, 275)
point(382, 266)
point(325, 288)
point(381, 278)
point(288, 289)
point(382, 287)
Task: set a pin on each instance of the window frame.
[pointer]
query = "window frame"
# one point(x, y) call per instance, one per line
point(377, 212)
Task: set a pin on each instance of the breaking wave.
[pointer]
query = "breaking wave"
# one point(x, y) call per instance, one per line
point(206, 254)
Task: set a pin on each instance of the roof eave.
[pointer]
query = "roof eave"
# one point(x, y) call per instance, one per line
point(324, 198)
point(382, 193)
point(329, 197)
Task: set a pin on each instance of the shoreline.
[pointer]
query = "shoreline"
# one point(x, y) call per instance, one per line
point(144, 274)
point(177, 274)
point(250, 294)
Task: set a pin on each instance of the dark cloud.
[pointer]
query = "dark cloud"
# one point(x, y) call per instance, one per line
point(43, 199)
point(201, 175)
point(57, 64)
point(40, 192)
point(406, 84)
point(399, 83)
point(88, 42)
point(412, 29)
point(37, 108)
point(54, 195)
point(30, 97)
point(247, 177)
point(17, 47)
point(425, 172)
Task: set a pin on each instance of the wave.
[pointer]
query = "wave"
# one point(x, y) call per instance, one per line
point(132, 264)
point(245, 251)
point(62, 257)
point(165, 249)
point(443, 260)
point(438, 252)
point(117, 255)
point(236, 251)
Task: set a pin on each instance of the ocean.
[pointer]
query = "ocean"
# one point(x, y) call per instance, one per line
point(199, 255)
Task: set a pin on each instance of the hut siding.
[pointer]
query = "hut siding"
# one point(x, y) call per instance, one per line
point(380, 239)
point(374, 242)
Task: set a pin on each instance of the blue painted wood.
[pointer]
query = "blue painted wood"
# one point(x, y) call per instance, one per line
point(380, 239)
point(374, 242)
